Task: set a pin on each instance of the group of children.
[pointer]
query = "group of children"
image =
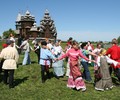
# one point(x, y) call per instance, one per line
point(53, 55)
point(76, 78)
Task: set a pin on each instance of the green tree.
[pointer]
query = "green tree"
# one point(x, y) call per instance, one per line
point(118, 40)
point(7, 33)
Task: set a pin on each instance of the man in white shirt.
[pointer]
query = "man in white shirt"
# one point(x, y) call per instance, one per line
point(26, 47)
point(10, 56)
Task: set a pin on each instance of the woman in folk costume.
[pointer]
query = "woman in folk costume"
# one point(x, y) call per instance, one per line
point(97, 52)
point(75, 78)
point(58, 66)
point(98, 48)
point(105, 82)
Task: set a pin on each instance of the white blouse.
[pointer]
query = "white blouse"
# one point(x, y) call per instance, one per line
point(109, 60)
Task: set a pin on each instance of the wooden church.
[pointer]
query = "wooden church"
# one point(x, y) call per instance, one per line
point(26, 26)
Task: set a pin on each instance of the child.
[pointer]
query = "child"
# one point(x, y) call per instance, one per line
point(86, 73)
point(58, 66)
point(37, 49)
point(105, 82)
point(75, 78)
point(45, 56)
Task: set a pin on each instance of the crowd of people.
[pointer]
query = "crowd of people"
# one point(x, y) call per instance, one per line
point(78, 58)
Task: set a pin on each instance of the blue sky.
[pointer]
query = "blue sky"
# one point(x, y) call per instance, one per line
point(83, 20)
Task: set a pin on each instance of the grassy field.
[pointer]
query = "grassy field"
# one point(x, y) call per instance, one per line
point(28, 86)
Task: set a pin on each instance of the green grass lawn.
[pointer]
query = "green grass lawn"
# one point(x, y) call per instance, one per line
point(28, 86)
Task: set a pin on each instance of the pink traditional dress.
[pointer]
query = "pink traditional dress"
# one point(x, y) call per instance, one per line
point(75, 78)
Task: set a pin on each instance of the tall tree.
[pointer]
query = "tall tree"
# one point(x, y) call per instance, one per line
point(7, 33)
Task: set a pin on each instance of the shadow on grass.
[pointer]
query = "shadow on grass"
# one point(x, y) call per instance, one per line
point(19, 81)
point(18, 65)
point(51, 75)
point(33, 62)
point(1, 77)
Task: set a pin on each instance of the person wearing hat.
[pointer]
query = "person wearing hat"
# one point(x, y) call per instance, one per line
point(10, 56)
point(104, 82)
point(45, 56)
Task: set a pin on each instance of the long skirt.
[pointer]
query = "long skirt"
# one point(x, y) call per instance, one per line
point(75, 78)
point(58, 68)
point(106, 80)
point(78, 83)
point(68, 67)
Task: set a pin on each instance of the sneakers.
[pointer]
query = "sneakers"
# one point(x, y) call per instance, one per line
point(83, 89)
